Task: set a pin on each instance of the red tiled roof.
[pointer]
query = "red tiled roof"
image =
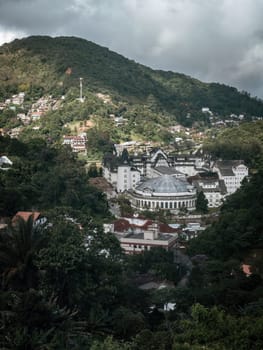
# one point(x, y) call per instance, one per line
point(121, 225)
point(26, 214)
point(246, 269)
point(164, 228)
point(144, 226)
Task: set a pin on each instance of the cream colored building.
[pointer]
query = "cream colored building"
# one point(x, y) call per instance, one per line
point(232, 172)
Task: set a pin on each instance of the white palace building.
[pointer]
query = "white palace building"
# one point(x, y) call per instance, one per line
point(157, 181)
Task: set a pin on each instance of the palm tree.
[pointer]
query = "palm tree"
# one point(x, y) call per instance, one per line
point(19, 243)
point(29, 318)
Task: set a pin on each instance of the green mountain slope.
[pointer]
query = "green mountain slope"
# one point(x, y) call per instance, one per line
point(41, 63)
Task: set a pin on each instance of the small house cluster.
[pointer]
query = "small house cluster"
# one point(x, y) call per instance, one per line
point(17, 99)
point(36, 111)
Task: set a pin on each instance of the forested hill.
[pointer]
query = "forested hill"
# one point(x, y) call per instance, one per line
point(54, 65)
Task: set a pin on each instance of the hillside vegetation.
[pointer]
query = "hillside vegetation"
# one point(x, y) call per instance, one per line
point(40, 64)
point(242, 142)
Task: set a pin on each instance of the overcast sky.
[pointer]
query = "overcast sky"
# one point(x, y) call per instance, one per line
point(212, 40)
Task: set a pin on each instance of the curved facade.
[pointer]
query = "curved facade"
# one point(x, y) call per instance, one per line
point(165, 192)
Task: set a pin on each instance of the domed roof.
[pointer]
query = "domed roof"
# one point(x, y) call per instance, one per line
point(165, 184)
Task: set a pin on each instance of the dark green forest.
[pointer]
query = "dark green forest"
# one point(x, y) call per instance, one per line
point(43, 178)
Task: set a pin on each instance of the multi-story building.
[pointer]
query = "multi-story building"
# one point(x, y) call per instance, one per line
point(154, 164)
point(214, 190)
point(77, 143)
point(232, 172)
point(187, 164)
point(127, 177)
point(137, 235)
point(122, 177)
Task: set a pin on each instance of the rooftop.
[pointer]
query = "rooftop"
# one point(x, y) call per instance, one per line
point(140, 235)
point(165, 170)
point(26, 214)
point(123, 225)
point(165, 184)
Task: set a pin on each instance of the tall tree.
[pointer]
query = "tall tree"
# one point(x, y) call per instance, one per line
point(201, 203)
point(19, 244)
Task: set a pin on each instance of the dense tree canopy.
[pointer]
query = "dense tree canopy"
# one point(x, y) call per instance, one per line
point(42, 178)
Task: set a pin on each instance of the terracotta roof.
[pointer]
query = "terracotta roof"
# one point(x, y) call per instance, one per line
point(246, 269)
point(164, 228)
point(123, 225)
point(26, 214)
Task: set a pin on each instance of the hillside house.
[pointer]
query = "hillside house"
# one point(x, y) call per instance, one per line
point(77, 143)
point(25, 215)
point(18, 99)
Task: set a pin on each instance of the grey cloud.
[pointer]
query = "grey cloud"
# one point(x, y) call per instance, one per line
point(208, 39)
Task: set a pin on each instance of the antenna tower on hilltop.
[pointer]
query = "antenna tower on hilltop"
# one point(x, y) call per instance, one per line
point(80, 90)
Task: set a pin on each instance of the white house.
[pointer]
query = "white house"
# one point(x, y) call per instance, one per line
point(127, 177)
point(232, 172)
point(213, 189)
point(77, 143)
